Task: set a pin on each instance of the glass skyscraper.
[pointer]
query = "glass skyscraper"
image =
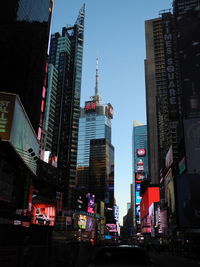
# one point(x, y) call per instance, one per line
point(95, 161)
point(63, 101)
point(94, 123)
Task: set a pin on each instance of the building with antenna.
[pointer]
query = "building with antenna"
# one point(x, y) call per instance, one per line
point(95, 159)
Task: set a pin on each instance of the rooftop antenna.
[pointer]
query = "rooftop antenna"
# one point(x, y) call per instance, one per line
point(96, 97)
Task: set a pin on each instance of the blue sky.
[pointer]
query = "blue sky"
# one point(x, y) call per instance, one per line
point(114, 31)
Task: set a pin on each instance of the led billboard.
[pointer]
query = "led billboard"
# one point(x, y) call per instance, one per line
point(137, 197)
point(82, 219)
point(141, 152)
point(43, 214)
point(90, 106)
point(111, 227)
point(90, 224)
point(91, 203)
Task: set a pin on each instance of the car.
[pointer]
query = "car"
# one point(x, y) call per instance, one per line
point(42, 219)
point(121, 256)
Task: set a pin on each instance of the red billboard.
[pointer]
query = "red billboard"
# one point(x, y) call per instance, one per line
point(90, 106)
point(151, 195)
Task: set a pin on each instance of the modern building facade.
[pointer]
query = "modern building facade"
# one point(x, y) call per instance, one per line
point(94, 123)
point(162, 92)
point(63, 102)
point(24, 30)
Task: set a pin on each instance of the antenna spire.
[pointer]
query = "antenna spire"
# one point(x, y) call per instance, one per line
point(97, 78)
point(96, 97)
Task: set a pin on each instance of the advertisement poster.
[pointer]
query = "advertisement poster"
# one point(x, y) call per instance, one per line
point(43, 214)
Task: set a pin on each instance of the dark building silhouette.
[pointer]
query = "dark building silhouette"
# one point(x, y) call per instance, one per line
point(24, 31)
point(101, 174)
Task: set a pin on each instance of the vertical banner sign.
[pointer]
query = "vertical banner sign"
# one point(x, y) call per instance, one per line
point(170, 65)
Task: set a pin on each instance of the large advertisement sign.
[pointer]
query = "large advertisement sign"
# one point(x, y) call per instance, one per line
point(169, 191)
point(23, 136)
point(90, 106)
point(169, 158)
point(91, 203)
point(43, 214)
point(141, 152)
point(188, 197)
point(90, 224)
point(137, 198)
point(109, 111)
point(192, 144)
point(111, 227)
point(139, 176)
point(82, 220)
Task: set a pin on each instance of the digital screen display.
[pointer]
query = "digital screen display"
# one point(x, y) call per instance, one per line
point(141, 152)
point(43, 214)
point(112, 227)
point(82, 219)
point(90, 207)
point(137, 197)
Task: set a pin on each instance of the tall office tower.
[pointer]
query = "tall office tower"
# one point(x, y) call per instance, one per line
point(162, 92)
point(94, 123)
point(140, 168)
point(24, 31)
point(63, 101)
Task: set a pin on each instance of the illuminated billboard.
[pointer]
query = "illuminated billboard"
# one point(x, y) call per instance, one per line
point(137, 186)
point(43, 214)
point(152, 194)
point(82, 219)
point(141, 152)
point(111, 227)
point(91, 203)
point(90, 106)
point(137, 197)
point(90, 224)
point(139, 176)
point(169, 191)
point(109, 110)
